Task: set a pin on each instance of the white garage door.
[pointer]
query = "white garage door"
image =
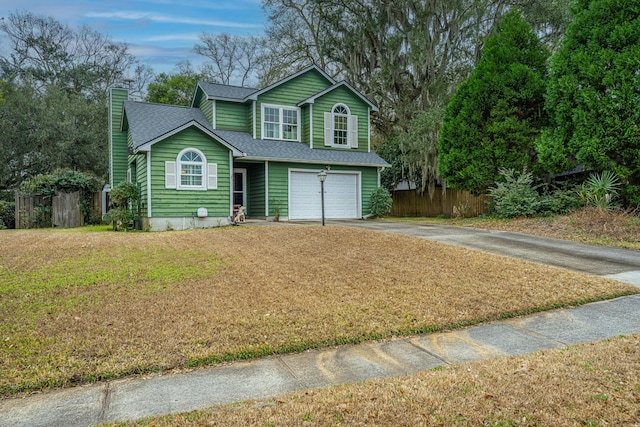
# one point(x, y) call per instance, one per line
point(340, 195)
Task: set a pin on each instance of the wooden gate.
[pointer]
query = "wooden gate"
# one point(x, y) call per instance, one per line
point(65, 210)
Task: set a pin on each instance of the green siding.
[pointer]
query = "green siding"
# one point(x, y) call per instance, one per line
point(183, 203)
point(141, 179)
point(279, 187)
point(290, 93)
point(250, 117)
point(117, 139)
point(305, 124)
point(207, 109)
point(357, 107)
point(369, 184)
point(232, 116)
point(279, 184)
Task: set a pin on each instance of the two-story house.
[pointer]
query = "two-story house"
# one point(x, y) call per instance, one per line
point(260, 148)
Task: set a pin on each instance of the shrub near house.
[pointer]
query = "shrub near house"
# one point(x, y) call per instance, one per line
point(242, 146)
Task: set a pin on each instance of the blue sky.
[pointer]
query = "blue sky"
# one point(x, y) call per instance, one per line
point(159, 33)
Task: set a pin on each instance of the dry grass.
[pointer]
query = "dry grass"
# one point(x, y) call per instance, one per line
point(78, 307)
point(590, 225)
point(594, 384)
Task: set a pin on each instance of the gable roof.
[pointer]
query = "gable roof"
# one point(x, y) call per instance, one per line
point(312, 99)
point(232, 93)
point(255, 95)
point(150, 123)
point(225, 92)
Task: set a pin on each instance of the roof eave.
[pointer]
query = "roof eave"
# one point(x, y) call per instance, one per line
point(146, 146)
point(254, 96)
point(220, 98)
point(317, 162)
point(312, 99)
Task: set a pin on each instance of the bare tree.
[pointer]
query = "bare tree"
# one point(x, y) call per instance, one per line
point(234, 59)
point(82, 61)
point(294, 34)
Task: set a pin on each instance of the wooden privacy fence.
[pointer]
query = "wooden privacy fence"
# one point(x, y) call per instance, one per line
point(62, 211)
point(449, 203)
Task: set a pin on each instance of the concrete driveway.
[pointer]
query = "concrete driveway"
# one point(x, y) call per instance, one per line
point(619, 264)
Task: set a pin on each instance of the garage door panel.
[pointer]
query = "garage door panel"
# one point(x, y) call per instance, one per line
point(341, 196)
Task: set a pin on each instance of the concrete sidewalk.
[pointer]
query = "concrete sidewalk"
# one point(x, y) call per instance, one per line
point(134, 398)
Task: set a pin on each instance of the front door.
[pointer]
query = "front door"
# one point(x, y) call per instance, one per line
point(239, 187)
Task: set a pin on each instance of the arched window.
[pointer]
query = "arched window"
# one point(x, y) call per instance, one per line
point(340, 127)
point(190, 171)
point(191, 167)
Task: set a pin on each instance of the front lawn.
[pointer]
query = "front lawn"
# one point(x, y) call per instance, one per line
point(78, 307)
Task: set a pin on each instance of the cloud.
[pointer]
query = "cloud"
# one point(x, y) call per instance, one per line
point(166, 19)
point(143, 50)
point(208, 4)
point(173, 37)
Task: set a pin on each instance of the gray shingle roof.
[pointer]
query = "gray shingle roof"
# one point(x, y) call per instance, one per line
point(220, 91)
point(149, 122)
point(267, 149)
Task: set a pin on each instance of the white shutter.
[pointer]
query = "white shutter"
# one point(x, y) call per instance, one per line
point(129, 175)
point(170, 174)
point(353, 131)
point(328, 130)
point(212, 176)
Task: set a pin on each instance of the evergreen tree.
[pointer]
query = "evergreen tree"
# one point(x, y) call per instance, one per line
point(173, 89)
point(593, 94)
point(495, 116)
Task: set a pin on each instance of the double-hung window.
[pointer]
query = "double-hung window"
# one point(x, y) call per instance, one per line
point(280, 122)
point(340, 125)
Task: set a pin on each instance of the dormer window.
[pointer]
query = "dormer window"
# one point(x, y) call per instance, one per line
point(340, 128)
point(280, 122)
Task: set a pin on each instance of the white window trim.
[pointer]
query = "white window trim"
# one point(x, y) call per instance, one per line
point(179, 185)
point(280, 108)
point(352, 130)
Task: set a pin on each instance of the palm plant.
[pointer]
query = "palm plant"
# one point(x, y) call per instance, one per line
point(600, 190)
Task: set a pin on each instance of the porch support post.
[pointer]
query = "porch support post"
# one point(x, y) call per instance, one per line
point(230, 184)
point(266, 188)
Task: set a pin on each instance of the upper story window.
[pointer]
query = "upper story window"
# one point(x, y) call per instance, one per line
point(280, 122)
point(340, 128)
point(340, 125)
